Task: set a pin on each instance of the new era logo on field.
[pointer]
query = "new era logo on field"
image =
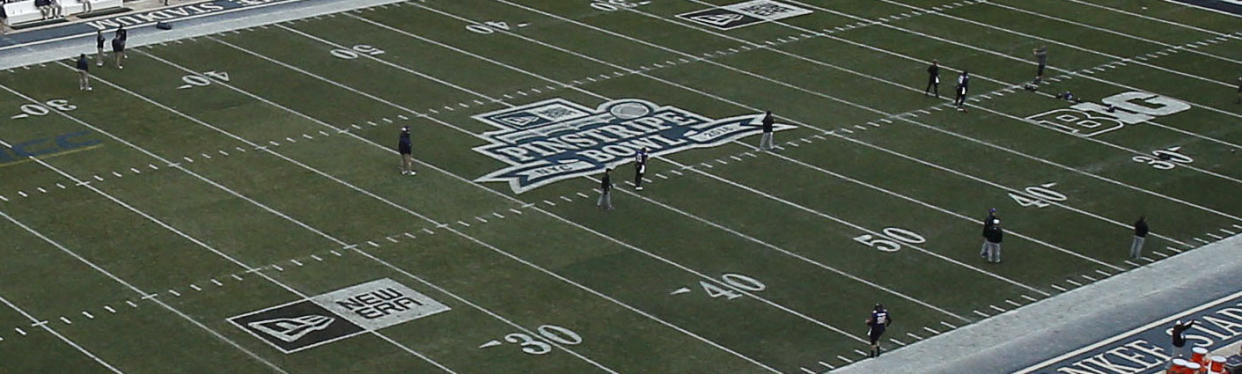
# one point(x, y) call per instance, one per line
point(337, 315)
point(744, 14)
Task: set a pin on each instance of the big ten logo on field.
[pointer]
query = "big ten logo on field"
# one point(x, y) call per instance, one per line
point(744, 14)
point(555, 139)
point(48, 146)
point(1089, 119)
point(337, 315)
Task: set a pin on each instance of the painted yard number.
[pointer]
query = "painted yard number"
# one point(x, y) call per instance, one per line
point(204, 80)
point(614, 5)
point(890, 241)
point(739, 281)
point(1038, 196)
point(533, 345)
point(39, 110)
point(1164, 159)
point(356, 51)
point(488, 27)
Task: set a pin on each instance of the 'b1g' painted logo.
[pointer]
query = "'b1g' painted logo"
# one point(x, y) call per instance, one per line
point(555, 139)
point(1091, 119)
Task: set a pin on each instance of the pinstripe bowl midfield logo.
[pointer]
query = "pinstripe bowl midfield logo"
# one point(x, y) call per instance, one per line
point(556, 139)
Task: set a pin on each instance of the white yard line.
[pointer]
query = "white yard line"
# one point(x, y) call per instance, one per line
point(713, 224)
point(1113, 32)
point(1093, 215)
point(1050, 67)
point(428, 219)
point(208, 181)
point(62, 338)
point(142, 293)
point(1150, 18)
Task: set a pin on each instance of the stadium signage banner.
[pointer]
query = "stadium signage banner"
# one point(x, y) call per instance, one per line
point(1231, 6)
point(744, 14)
point(555, 139)
point(1147, 350)
point(337, 315)
point(174, 13)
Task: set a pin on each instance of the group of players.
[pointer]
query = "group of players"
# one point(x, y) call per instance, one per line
point(963, 79)
point(118, 53)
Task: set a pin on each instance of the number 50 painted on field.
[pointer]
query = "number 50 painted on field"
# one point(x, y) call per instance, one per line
point(890, 241)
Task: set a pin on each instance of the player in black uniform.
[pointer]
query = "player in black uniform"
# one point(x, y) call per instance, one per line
point(963, 82)
point(406, 148)
point(84, 75)
point(933, 79)
point(640, 168)
point(876, 323)
point(1041, 56)
point(99, 47)
point(605, 191)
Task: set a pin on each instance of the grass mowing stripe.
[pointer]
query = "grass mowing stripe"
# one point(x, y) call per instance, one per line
point(920, 124)
point(927, 126)
point(142, 293)
point(717, 225)
point(1053, 68)
point(433, 222)
point(208, 181)
point(666, 206)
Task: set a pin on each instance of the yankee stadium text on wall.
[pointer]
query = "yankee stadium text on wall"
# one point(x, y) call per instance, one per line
point(556, 139)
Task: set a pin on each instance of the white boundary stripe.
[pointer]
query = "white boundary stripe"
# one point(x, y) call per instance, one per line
point(61, 337)
point(679, 211)
point(411, 212)
point(1117, 337)
point(182, 234)
point(139, 291)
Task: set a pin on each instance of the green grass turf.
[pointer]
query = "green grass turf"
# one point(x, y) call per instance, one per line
point(508, 263)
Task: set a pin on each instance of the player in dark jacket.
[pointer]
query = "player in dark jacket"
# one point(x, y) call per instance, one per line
point(876, 324)
point(406, 148)
point(766, 143)
point(1180, 348)
point(963, 83)
point(1140, 235)
point(99, 47)
point(640, 168)
point(993, 236)
point(84, 75)
point(983, 250)
point(933, 79)
point(605, 191)
point(118, 51)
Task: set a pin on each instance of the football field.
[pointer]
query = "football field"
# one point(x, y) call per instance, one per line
point(233, 203)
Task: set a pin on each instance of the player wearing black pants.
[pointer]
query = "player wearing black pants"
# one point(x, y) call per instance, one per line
point(605, 191)
point(1240, 90)
point(933, 79)
point(640, 168)
point(963, 82)
point(406, 148)
point(99, 47)
point(1041, 56)
point(876, 324)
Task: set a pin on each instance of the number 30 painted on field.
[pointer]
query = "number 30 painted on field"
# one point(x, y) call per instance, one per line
point(552, 333)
